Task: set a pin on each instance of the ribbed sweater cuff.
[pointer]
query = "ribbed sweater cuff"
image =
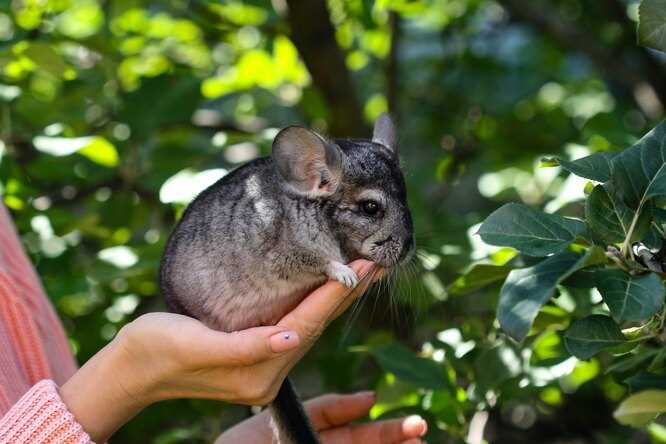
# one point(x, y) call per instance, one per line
point(40, 417)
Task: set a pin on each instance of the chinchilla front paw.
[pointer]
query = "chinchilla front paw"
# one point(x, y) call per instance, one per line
point(342, 273)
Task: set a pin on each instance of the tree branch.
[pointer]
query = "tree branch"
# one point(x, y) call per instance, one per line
point(314, 36)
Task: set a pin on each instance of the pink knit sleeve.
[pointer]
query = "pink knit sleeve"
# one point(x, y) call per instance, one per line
point(40, 417)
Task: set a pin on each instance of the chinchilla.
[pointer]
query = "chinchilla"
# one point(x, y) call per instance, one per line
point(249, 248)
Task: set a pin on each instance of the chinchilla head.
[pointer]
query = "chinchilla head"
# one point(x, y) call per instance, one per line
point(359, 185)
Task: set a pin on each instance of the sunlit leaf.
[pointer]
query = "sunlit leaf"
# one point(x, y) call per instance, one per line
point(184, 186)
point(100, 151)
point(95, 148)
point(595, 166)
point(652, 24)
point(81, 20)
point(639, 409)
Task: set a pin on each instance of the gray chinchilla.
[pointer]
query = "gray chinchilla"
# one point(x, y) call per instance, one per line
point(249, 248)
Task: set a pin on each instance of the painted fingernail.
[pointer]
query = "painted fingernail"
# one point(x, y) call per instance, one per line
point(284, 341)
point(416, 423)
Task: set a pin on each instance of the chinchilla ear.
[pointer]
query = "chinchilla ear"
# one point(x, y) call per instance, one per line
point(309, 164)
point(384, 133)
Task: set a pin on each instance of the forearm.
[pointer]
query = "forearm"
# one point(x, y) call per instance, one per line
point(105, 393)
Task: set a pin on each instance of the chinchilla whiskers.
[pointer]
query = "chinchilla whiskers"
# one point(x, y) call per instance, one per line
point(355, 310)
point(405, 289)
point(396, 283)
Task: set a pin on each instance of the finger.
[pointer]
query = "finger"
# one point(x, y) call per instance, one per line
point(374, 274)
point(313, 314)
point(391, 431)
point(248, 347)
point(333, 410)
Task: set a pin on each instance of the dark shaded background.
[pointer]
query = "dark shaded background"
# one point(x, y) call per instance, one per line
point(115, 113)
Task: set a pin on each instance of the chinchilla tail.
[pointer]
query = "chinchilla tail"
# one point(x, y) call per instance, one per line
point(289, 420)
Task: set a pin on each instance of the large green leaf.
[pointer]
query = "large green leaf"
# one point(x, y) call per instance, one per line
point(478, 276)
point(595, 166)
point(588, 336)
point(405, 365)
point(639, 173)
point(630, 298)
point(526, 290)
point(652, 24)
point(529, 231)
point(608, 220)
point(639, 409)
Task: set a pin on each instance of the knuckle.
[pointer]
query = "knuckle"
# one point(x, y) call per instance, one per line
point(311, 329)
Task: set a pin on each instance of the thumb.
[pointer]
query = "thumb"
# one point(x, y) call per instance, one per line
point(249, 347)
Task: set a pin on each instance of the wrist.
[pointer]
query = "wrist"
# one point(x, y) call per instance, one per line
point(107, 391)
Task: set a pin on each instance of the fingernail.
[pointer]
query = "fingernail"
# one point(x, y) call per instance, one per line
point(366, 267)
point(368, 394)
point(284, 341)
point(416, 423)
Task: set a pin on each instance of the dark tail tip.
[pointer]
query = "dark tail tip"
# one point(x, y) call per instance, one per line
point(291, 421)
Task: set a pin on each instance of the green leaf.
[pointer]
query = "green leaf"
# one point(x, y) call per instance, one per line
point(478, 276)
point(529, 231)
point(639, 409)
point(608, 220)
point(588, 336)
point(526, 290)
point(652, 24)
point(496, 365)
point(100, 151)
point(160, 101)
point(631, 360)
point(646, 380)
point(585, 278)
point(405, 365)
point(630, 298)
point(595, 166)
point(639, 173)
point(96, 148)
point(46, 58)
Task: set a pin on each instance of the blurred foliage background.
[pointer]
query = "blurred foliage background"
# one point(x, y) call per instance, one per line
point(115, 113)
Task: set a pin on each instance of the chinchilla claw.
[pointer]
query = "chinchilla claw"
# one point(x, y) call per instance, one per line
point(343, 274)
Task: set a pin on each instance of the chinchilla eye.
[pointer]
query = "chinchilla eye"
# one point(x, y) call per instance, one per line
point(370, 207)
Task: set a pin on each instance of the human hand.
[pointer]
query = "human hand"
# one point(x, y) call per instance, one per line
point(164, 356)
point(331, 416)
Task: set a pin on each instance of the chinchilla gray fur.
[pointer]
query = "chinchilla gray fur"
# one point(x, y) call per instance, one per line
point(249, 248)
